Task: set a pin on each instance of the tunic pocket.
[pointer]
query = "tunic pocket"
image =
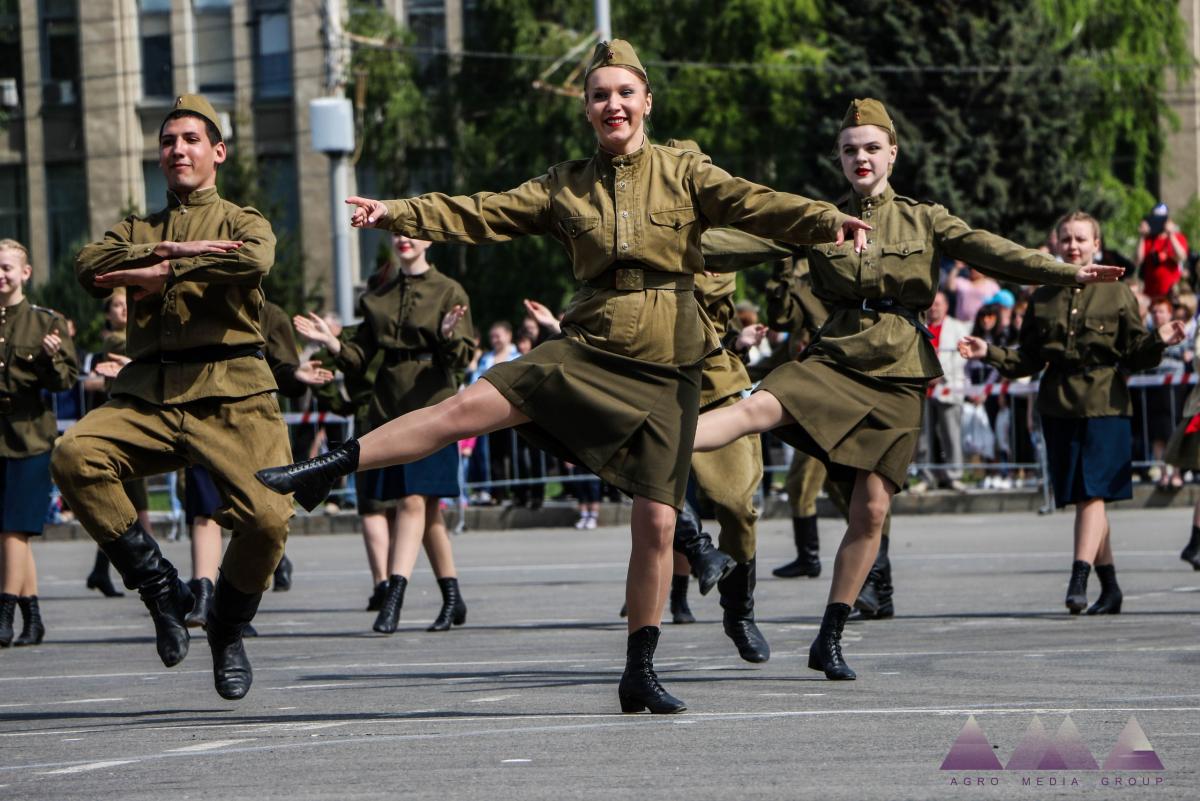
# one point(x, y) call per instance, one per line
point(574, 227)
point(670, 228)
point(903, 248)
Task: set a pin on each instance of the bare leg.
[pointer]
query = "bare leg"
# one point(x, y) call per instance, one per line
point(680, 564)
point(144, 519)
point(762, 411)
point(869, 505)
point(14, 547)
point(206, 548)
point(375, 538)
point(31, 585)
point(479, 409)
point(408, 529)
point(649, 578)
point(1104, 555)
point(437, 541)
point(1091, 525)
point(1196, 514)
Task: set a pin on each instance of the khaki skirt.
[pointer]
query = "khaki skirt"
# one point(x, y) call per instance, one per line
point(631, 422)
point(848, 420)
point(1183, 449)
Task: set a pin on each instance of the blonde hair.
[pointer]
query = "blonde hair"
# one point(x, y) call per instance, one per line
point(12, 244)
point(117, 292)
point(1077, 216)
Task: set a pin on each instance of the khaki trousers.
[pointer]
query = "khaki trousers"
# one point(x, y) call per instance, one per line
point(728, 477)
point(128, 438)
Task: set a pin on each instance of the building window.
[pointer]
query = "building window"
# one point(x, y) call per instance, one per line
point(427, 21)
point(154, 21)
point(66, 208)
point(10, 56)
point(156, 186)
point(12, 204)
point(213, 30)
point(60, 52)
point(272, 49)
point(279, 185)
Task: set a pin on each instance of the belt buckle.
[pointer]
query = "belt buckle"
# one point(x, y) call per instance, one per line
point(630, 279)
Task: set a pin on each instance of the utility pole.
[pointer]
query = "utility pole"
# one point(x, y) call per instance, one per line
point(603, 20)
point(332, 124)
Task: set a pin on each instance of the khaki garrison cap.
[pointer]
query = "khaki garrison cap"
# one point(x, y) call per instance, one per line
point(869, 111)
point(617, 53)
point(198, 105)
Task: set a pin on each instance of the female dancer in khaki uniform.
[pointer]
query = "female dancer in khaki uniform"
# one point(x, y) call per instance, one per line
point(854, 401)
point(620, 389)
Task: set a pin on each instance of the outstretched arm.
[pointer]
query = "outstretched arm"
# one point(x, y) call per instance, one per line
point(1008, 261)
point(474, 219)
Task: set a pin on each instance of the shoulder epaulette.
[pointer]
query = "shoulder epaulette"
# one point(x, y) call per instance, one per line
point(45, 310)
point(913, 201)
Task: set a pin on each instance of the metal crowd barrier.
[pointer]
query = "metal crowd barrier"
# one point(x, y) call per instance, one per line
point(522, 466)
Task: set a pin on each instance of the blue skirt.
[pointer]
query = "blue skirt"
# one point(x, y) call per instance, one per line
point(25, 486)
point(1090, 457)
point(200, 495)
point(435, 475)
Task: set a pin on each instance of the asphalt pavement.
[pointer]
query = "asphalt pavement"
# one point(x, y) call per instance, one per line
point(521, 703)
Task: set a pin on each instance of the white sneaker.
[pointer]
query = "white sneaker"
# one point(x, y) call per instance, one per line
point(590, 523)
point(581, 523)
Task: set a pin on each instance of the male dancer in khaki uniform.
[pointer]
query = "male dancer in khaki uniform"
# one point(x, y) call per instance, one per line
point(198, 391)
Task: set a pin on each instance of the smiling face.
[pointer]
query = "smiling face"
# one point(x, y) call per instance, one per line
point(1078, 242)
point(616, 103)
point(14, 272)
point(186, 157)
point(866, 155)
point(117, 311)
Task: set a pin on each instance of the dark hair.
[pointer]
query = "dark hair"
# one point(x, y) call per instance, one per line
point(214, 135)
point(502, 324)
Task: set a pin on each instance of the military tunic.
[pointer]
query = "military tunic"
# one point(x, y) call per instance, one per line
point(1087, 338)
point(402, 322)
point(619, 390)
point(27, 423)
point(857, 394)
point(198, 390)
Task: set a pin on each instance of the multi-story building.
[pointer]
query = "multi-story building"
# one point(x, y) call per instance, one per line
point(84, 85)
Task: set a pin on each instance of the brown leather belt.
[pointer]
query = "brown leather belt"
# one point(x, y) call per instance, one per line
point(636, 279)
point(204, 354)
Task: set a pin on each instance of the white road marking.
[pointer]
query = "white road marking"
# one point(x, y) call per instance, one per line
point(327, 686)
point(492, 699)
point(209, 746)
point(87, 766)
point(609, 720)
point(513, 761)
point(62, 703)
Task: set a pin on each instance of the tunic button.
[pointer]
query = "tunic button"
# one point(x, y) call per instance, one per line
point(866, 214)
point(870, 241)
point(624, 246)
point(1074, 311)
point(620, 185)
point(624, 214)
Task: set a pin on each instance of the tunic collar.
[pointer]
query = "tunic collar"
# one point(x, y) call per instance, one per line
point(875, 201)
point(630, 160)
point(201, 197)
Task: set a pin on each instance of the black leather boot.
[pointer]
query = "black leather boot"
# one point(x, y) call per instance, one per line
point(99, 578)
point(1191, 553)
point(1077, 587)
point(312, 479)
point(231, 611)
point(737, 599)
point(639, 688)
point(808, 550)
point(202, 591)
point(680, 611)
point(454, 609)
point(1109, 602)
point(877, 589)
point(376, 598)
point(33, 632)
point(707, 563)
point(825, 653)
point(8, 608)
point(389, 610)
point(283, 575)
point(137, 558)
